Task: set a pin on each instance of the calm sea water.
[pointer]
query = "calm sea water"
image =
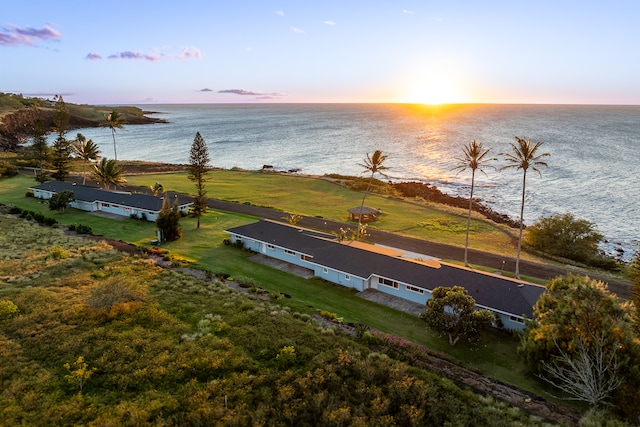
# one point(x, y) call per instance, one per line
point(593, 168)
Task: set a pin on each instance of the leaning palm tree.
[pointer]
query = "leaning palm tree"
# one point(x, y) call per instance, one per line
point(374, 164)
point(87, 150)
point(475, 159)
point(114, 121)
point(108, 171)
point(524, 156)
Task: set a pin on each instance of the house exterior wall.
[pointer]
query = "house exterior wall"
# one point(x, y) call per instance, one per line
point(389, 286)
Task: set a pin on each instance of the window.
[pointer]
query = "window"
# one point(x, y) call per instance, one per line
point(516, 319)
point(305, 257)
point(270, 246)
point(105, 205)
point(287, 251)
point(347, 277)
point(325, 270)
point(414, 289)
point(388, 282)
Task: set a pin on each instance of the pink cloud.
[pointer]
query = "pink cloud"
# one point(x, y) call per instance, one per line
point(14, 36)
point(127, 54)
point(244, 92)
point(92, 56)
point(191, 53)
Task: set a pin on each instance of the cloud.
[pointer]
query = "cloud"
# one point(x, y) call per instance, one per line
point(297, 30)
point(280, 12)
point(329, 23)
point(408, 12)
point(206, 89)
point(191, 53)
point(154, 54)
point(244, 92)
point(127, 54)
point(14, 36)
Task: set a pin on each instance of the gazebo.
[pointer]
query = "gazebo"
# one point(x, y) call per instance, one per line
point(367, 213)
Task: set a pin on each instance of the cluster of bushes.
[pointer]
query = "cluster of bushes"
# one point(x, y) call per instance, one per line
point(239, 244)
point(7, 169)
point(31, 215)
point(80, 228)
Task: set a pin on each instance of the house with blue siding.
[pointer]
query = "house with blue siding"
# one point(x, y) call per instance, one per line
point(363, 266)
point(115, 202)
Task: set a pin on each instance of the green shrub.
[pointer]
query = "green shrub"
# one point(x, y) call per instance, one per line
point(8, 309)
point(7, 169)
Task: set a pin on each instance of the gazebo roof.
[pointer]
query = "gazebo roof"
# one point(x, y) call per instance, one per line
point(364, 210)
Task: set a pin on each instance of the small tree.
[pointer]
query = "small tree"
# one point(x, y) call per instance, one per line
point(451, 311)
point(579, 328)
point(79, 373)
point(566, 236)
point(60, 201)
point(198, 168)
point(114, 291)
point(156, 188)
point(61, 157)
point(168, 221)
point(109, 172)
point(8, 309)
point(87, 150)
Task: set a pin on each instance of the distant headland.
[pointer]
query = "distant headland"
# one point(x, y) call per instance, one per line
point(18, 115)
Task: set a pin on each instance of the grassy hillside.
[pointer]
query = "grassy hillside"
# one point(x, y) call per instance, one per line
point(161, 348)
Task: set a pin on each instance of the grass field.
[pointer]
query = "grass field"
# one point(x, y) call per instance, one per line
point(320, 197)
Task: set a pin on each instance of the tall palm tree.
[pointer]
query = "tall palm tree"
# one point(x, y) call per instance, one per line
point(374, 164)
point(87, 151)
point(108, 171)
point(524, 155)
point(475, 158)
point(114, 121)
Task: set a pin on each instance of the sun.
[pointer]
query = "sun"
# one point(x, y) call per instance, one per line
point(435, 91)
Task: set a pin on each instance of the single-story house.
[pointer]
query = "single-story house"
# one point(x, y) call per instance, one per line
point(364, 266)
point(116, 202)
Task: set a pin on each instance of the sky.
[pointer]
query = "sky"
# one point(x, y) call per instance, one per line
point(333, 51)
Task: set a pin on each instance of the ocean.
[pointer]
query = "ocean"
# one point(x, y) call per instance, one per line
point(593, 167)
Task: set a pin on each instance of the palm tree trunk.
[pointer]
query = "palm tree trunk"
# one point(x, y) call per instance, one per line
point(115, 153)
point(524, 181)
point(362, 207)
point(466, 243)
point(84, 172)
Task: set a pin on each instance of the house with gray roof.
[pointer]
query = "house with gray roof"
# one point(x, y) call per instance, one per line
point(363, 266)
point(115, 202)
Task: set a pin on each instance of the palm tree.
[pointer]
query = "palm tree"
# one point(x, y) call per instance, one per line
point(474, 159)
point(524, 156)
point(87, 151)
point(374, 164)
point(156, 188)
point(114, 121)
point(108, 171)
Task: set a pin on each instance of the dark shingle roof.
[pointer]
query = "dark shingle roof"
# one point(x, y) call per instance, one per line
point(92, 194)
point(490, 291)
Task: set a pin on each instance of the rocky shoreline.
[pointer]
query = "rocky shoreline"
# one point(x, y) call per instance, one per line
point(433, 194)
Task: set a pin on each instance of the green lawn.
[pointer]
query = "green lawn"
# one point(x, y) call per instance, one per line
point(318, 196)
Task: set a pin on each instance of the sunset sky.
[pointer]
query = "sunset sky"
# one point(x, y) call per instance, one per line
point(117, 52)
